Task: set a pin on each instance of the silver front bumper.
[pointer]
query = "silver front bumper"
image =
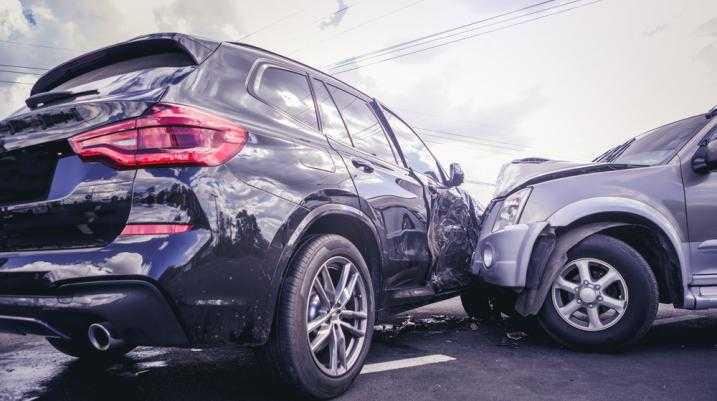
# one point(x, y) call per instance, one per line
point(511, 248)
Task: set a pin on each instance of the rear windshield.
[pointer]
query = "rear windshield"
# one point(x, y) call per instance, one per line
point(657, 146)
point(160, 64)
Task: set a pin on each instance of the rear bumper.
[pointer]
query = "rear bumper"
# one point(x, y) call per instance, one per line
point(138, 311)
point(59, 293)
point(511, 248)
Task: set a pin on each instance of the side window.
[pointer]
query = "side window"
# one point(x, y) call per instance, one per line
point(288, 91)
point(365, 130)
point(331, 122)
point(417, 155)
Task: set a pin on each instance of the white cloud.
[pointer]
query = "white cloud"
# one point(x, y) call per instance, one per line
point(567, 86)
point(12, 19)
point(218, 19)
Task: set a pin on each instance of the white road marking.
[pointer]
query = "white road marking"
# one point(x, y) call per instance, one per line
point(405, 363)
point(676, 319)
point(150, 365)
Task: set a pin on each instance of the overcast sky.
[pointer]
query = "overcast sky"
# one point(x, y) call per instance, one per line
point(564, 86)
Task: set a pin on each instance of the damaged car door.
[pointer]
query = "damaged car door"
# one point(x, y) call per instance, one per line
point(389, 194)
point(452, 222)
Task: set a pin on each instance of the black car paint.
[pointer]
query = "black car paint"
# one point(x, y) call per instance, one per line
point(249, 215)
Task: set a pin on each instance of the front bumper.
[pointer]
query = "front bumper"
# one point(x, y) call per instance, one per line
point(511, 248)
point(138, 311)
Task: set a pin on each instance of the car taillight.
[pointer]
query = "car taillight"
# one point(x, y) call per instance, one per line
point(167, 135)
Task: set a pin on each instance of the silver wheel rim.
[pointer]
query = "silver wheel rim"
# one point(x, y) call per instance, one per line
point(336, 316)
point(590, 294)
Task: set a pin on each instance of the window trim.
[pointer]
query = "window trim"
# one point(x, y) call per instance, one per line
point(318, 112)
point(379, 119)
point(382, 107)
point(254, 80)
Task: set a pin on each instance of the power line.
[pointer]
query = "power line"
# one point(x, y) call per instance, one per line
point(468, 37)
point(21, 72)
point(448, 133)
point(280, 20)
point(12, 42)
point(23, 66)
point(351, 61)
point(423, 116)
point(422, 39)
point(468, 142)
point(486, 148)
point(371, 20)
point(16, 82)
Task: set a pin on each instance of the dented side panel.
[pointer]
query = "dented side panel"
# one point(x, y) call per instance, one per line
point(452, 235)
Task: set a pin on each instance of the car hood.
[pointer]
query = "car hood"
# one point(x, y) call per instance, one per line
point(524, 172)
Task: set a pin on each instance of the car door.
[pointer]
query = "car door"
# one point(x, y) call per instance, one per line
point(701, 202)
point(452, 224)
point(388, 193)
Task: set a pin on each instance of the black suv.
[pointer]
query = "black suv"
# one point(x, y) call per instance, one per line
point(176, 191)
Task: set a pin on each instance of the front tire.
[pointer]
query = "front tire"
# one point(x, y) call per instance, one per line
point(603, 299)
point(324, 320)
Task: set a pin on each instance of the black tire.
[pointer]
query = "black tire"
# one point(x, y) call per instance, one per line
point(83, 350)
point(639, 313)
point(481, 302)
point(287, 353)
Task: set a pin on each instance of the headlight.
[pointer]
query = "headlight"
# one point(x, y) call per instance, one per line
point(511, 210)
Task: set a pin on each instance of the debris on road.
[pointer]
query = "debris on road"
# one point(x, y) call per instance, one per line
point(436, 324)
point(516, 335)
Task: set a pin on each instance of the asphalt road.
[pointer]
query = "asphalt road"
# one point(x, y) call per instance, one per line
point(457, 360)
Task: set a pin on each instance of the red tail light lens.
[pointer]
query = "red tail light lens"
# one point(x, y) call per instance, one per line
point(168, 135)
point(155, 229)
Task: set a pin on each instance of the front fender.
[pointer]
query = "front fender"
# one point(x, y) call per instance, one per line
point(530, 301)
point(595, 206)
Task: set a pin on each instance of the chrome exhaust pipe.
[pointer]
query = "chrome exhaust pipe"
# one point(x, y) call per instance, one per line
point(101, 338)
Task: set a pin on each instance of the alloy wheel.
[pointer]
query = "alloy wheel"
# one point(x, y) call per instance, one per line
point(590, 294)
point(336, 316)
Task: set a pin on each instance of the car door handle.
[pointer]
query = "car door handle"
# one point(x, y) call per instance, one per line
point(362, 165)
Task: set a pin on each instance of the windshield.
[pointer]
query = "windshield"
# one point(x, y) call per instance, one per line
point(657, 146)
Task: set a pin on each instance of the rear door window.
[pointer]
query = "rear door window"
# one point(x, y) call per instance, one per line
point(417, 155)
point(331, 122)
point(363, 125)
point(288, 91)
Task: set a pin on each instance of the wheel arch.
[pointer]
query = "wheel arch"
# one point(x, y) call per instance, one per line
point(338, 219)
point(636, 223)
point(361, 232)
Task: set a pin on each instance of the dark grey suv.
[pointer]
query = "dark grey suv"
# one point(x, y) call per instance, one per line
point(593, 248)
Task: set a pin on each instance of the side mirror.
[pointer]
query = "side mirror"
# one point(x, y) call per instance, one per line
point(705, 159)
point(456, 175)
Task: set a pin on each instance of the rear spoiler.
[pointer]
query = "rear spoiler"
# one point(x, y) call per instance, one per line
point(198, 49)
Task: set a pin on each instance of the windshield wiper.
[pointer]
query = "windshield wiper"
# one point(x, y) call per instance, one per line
point(621, 149)
point(614, 153)
point(47, 97)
